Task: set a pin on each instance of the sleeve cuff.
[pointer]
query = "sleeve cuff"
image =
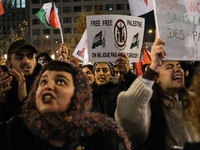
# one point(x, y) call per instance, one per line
point(150, 74)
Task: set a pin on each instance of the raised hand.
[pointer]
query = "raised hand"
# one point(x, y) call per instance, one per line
point(123, 63)
point(157, 54)
point(5, 81)
point(64, 52)
point(19, 76)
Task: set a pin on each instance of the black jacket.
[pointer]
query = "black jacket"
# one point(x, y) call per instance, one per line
point(16, 136)
point(12, 106)
point(105, 96)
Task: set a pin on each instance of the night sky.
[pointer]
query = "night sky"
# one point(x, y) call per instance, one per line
point(149, 24)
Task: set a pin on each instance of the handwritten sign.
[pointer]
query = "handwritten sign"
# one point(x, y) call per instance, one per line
point(178, 23)
point(109, 35)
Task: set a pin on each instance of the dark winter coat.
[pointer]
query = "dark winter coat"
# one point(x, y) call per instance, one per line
point(105, 96)
point(15, 135)
point(12, 106)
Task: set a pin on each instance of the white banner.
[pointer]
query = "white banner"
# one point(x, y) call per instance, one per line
point(140, 7)
point(178, 23)
point(109, 35)
point(81, 51)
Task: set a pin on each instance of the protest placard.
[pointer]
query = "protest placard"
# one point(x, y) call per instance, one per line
point(178, 23)
point(109, 35)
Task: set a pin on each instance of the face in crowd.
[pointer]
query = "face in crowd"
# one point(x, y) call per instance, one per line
point(42, 60)
point(54, 92)
point(60, 87)
point(119, 75)
point(89, 74)
point(102, 74)
point(23, 61)
point(171, 77)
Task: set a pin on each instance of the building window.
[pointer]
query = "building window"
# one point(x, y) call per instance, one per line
point(35, 21)
point(46, 31)
point(35, 1)
point(46, 1)
point(109, 7)
point(18, 4)
point(67, 9)
point(87, 0)
point(57, 1)
point(66, 0)
point(128, 7)
point(88, 8)
point(56, 31)
point(67, 20)
point(68, 30)
point(77, 8)
point(35, 10)
point(100, 7)
point(58, 9)
point(120, 7)
point(77, 0)
point(13, 4)
point(23, 3)
point(36, 31)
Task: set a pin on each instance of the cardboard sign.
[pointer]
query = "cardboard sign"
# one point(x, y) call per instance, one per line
point(178, 23)
point(109, 35)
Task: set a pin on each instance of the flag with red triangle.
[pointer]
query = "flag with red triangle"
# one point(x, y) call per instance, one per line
point(147, 56)
point(140, 7)
point(1, 8)
point(48, 16)
point(138, 68)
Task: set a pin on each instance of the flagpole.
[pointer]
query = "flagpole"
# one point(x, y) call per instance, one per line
point(59, 24)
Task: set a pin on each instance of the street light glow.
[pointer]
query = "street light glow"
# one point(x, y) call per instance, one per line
point(5, 56)
point(150, 31)
point(47, 36)
point(53, 56)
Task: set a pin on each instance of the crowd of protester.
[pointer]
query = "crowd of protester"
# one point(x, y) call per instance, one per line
point(54, 104)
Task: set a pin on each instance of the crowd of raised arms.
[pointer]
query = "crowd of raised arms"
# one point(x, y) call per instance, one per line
point(50, 104)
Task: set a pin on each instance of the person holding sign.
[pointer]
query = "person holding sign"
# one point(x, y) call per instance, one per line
point(153, 110)
point(105, 91)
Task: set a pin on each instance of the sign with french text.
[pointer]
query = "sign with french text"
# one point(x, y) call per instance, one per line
point(178, 23)
point(109, 35)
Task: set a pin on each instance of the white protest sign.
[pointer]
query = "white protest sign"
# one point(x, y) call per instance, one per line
point(109, 35)
point(81, 51)
point(178, 23)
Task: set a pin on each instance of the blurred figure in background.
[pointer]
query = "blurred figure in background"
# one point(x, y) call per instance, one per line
point(87, 69)
point(43, 58)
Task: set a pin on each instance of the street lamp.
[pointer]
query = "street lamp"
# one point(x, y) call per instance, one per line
point(47, 36)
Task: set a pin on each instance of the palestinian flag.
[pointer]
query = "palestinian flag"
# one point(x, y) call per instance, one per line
point(47, 15)
point(135, 41)
point(1, 8)
point(97, 40)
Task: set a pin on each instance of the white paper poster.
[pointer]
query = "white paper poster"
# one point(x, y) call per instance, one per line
point(178, 23)
point(109, 35)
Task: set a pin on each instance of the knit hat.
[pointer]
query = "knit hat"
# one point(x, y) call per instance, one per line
point(111, 66)
point(18, 45)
